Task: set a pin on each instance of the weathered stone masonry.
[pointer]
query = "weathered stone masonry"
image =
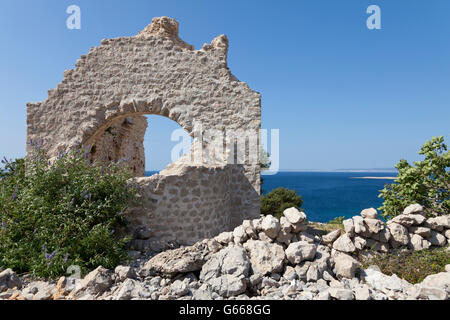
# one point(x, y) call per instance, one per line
point(102, 102)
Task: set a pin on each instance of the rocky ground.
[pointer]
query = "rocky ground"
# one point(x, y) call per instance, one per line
point(264, 258)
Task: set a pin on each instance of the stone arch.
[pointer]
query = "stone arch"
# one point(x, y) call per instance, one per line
point(155, 72)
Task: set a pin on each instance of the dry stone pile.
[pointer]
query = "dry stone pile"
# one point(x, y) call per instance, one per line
point(263, 258)
point(412, 229)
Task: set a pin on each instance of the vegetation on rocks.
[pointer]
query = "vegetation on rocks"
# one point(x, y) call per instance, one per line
point(61, 213)
point(413, 266)
point(426, 182)
point(276, 201)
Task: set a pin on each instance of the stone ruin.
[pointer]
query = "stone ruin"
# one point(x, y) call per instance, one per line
point(101, 105)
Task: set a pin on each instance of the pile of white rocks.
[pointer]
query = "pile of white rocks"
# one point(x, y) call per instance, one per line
point(411, 229)
point(264, 258)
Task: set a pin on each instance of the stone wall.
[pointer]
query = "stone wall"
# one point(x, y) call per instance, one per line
point(101, 104)
point(412, 230)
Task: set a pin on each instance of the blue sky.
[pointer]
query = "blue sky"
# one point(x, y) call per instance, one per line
point(343, 96)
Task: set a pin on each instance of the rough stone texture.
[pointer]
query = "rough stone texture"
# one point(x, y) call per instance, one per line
point(182, 260)
point(101, 104)
point(226, 270)
point(370, 213)
point(265, 258)
point(299, 251)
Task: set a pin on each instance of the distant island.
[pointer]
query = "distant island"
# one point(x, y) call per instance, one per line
point(379, 178)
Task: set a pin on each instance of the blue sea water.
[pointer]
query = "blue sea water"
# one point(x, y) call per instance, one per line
point(327, 195)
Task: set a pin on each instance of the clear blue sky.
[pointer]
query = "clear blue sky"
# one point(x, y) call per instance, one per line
point(342, 96)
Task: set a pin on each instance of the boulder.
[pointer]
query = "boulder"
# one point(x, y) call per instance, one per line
point(94, 283)
point(362, 293)
point(399, 235)
point(344, 244)
point(359, 224)
point(9, 280)
point(224, 237)
point(270, 226)
point(381, 282)
point(341, 293)
point(344, 265)
point(331, 236)
point(418, 243)
point(131, 289)
point(424, 232)
point(226, 270)
point(239, 234)
point(284, 237)
point(265, 257)
point(413, 209)
point(408, 220)
point(294, 216)
point(359, 243)
point(431, 293)
point(300, 251)
point(124, 272)
point(439, 280)
point(349, 227)
point(437, 239)
point(285, 224)
point(384, 235)
point(374, 225)
point(370, 213)
point(172, 262)
point(447, 233)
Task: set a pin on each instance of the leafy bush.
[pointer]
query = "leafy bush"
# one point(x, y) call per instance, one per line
point(63, 213)
point(276, 201)
point(412, 266)
point(426, 183)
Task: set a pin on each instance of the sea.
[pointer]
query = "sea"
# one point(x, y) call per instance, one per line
point(327, 195)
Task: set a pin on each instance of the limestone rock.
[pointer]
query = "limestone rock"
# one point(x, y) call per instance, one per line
point(224, 237)
point(362, 293)
point(374, 225)
point(94, 283)
point(124, 272)
point(408, 219)
point(359, 243)
point(265, 257)
point(270, 226)
point(300, 251)
point(424, 232)
point(359, 224)
point(344, 265)
point(439, 280)
point(399, 235)
point(344, 244)
point(370, 213)
point(418, 243)
point(349, 227)
point(379, 281)
point(226, 271)
point(437, 239)
point(413, 209)
point(294, 216)
point(9, 280)
point(182, 260)
point(341, 293)
point(331, 236)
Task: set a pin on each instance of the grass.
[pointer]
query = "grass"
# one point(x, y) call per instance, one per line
point(413, 266)
point(324, 228)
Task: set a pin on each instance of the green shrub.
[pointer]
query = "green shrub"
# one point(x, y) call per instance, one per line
point(61, 214)
point(426, 183)
point(276, 201)
point(412, 266)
